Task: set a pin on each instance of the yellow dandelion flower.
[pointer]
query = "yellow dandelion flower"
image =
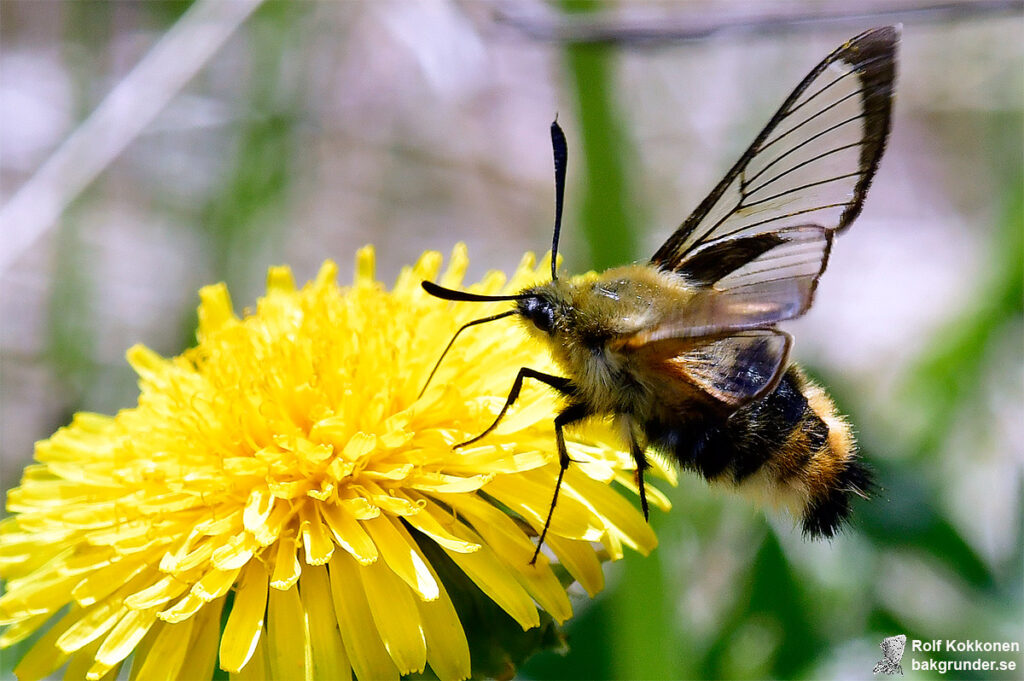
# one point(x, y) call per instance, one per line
point(282, 503)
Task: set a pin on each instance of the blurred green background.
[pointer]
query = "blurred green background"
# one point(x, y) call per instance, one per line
point(319, 127)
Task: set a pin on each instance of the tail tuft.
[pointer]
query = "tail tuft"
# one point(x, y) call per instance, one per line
point(827, 513)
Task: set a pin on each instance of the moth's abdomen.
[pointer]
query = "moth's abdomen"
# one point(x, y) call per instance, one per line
point(790, 448)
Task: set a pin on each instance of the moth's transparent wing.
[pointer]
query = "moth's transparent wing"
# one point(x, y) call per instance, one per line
point(813, 162)
point(734, 370)
point(777, 284)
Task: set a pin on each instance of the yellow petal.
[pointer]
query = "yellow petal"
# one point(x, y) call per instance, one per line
point(122, 639)
point(440, 482)
point(257, 509)
point(235, 553)
point(364, 266)
point(328, 272)
point(189, 605)
point(34, 595)
point(214, 584)
point(349, 533)
point(104, 582)
point(366, 651)
point(490, 574)
point(359, 445)
point(100, 671)
point(44, 656)
point(580, 560)
point(143, 648)
point(457, 263)
point(287, 642)
point(147, 364)
point(531, 497)
point(194, 558)
point(269, 531)
point(316, 538)
point(513, 547)
point(401, 557)
point(96, 621)
point(157, 594)
point(655, 497)
point(164, 658)
point(214, 309)
point(201, 650)
point(359, 508)
point(447, 647)
point(426, 267)
point(329, 658)
point(495, 526)
point(280, 280)
point(258, 667)
point(286, 565)
point(21, 630)
point(394, 611)
point(245, 623)
point(81, 662)
point(428, 524)
point(613, 509)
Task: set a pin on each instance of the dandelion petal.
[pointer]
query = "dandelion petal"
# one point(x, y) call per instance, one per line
point(201, 650)
point(369, 657)
point(287, 643)
point(401, 557)
point(394, 612)
point(165, 657)
point(328, 651)
point(245, 623)
point(349, 533)
point(494, 579)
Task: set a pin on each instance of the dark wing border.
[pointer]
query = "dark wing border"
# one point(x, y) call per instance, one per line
point(872, 54)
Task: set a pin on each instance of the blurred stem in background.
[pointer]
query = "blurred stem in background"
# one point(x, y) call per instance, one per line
point(247, 210)
point(71, 341)
point(605, 216)
point(635, 614)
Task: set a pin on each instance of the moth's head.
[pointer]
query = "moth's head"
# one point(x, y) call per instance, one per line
point(539, 311)
point(546, 307)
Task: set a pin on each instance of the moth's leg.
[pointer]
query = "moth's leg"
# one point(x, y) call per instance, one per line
point(642, 464)
point(571, 414)
point(559, 383)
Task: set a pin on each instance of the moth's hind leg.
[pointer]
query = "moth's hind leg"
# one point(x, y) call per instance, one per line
point(571, 414)
point(642, 464)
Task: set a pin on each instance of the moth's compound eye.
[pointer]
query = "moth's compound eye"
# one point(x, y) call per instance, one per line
point(539, 311)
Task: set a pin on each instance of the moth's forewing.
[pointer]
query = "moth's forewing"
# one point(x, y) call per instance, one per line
point(813, 162)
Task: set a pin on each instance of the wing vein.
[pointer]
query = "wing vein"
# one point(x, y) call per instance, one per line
point(781, 217)
point(807, 120)
point(820, 156)
point(802, 187)
point(807, 141)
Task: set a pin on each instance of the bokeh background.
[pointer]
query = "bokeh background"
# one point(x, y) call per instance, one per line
point(265, 133)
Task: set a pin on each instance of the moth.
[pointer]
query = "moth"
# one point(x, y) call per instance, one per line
point(683, 351)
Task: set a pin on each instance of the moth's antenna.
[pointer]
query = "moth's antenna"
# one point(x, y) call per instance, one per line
point(465, 296)
point(561, 151)
point(462, 328)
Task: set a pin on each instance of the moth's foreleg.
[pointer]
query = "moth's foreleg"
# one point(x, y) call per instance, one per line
point(569, 415)
point(559, 383)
